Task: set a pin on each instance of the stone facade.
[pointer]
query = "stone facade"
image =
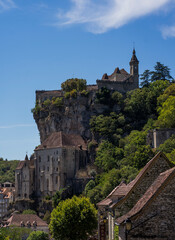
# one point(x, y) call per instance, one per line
point(124, 197)
point(156, 137)
point(153, 217)
point(120, 80)
point(55, 164)
point(24, 179)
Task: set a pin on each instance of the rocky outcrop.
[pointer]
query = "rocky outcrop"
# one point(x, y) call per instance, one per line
point(72, 117)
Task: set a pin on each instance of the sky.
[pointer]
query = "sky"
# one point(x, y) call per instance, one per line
point(43, 43)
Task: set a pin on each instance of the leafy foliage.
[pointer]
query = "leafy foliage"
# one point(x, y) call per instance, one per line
point(7, 170)
point(13, 233)
point(161, 72)
point(74, 84)
point(73, 219)
point(38, 235)
point(167, 113)
point(29, 211)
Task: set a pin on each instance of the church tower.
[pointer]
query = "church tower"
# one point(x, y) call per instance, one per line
point(134, 68)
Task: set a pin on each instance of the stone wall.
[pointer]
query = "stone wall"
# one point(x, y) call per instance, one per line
point(56, 168)
point(158, 220)
point(156, 137)
point(160, 165)
point(122, 87)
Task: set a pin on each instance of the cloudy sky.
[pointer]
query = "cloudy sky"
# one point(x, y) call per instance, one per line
point(43, 43)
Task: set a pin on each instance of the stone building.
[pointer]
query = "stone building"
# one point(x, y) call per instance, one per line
point(153, 216)
point(24, 179)
point(156, 137)
point(30, 221)
point(124, 197)
point(54, 166)
point(121, 80)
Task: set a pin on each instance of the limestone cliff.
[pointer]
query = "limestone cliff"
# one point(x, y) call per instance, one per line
point(71, 117)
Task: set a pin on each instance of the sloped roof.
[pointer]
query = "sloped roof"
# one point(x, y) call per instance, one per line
point(120, 75)
point(16, 220)
point(120, 191)
point(20, 164)
point(153, 191)
point(60, 139)
point(142, 173)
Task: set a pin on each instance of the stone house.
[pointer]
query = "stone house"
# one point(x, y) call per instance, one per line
point(54, 166)
point(124, 197)
point(153, 216)
point(30, 221)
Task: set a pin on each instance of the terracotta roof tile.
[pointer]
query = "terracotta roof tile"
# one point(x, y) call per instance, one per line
point(149, 194)
point(120, 191)
point(16, 220)
point(60, 139)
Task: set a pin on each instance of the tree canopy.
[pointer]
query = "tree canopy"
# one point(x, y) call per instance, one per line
point(74, 218)
point(38, 235)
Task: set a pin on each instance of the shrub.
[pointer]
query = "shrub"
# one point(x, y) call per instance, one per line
point(38, 235)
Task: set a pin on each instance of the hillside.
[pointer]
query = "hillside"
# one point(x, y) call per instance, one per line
point(114, 124)
point(7, 170)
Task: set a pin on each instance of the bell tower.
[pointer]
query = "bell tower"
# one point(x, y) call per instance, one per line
point(134, 68)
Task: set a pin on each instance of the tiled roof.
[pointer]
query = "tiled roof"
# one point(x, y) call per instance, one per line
point(120, 191)
point(60, 139)
point(139, 177)
point(119, 75)
point(20, 164)
point(16, 220)
point(154, 189)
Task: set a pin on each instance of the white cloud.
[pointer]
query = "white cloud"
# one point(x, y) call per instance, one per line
point(168, 31)
point(17, 126)
point(103, 15)
point(6, 5)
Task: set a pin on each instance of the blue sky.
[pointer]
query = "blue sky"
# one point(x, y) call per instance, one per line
point(43, 43)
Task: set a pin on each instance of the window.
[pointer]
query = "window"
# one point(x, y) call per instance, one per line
point(47, 184)
point(48, 158)
point(57, 169)
point(56, 179)
point(48, 169)
point(39, 159)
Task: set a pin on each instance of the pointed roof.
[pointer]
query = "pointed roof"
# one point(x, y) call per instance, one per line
point(153, 191)
point(134, 58)
point(142, 173)
point(60, 139)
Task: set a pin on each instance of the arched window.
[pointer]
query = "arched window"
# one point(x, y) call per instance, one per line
point(47, 184)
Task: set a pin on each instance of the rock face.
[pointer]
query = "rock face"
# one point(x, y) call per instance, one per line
point(72, 117)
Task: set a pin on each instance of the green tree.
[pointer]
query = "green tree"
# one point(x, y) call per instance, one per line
point(74, 84)
point(145, 78)
point(29, 211)
point(168, 146)
point(74, 218)
point(56, 199)
point(105, 158)
point(166, 117)
point(38, 235)
point(161, 72)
